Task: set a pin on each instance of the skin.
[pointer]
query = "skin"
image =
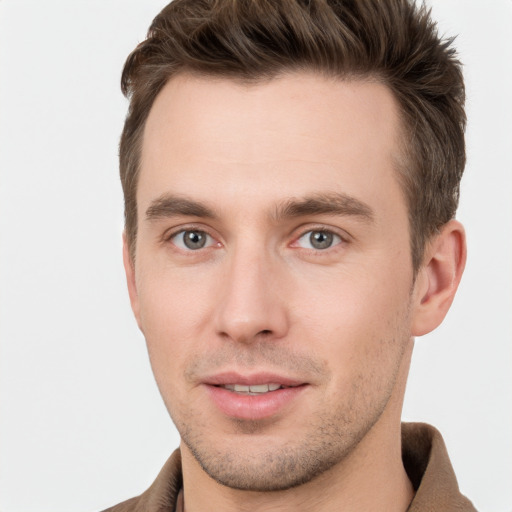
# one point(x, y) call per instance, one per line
point(258, 297)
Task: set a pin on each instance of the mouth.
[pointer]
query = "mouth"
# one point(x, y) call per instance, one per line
point(254, 397)
point(254, 389)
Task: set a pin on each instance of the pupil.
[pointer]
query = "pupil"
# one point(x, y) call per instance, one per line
point(320, 239)
point(194, 239)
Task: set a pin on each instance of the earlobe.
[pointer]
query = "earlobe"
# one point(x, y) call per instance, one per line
point(439, 277)
point(129, 269)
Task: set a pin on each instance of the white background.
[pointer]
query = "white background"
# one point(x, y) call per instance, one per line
point(82, 425)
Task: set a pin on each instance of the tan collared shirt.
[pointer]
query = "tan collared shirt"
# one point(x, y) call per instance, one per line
point(424, 456)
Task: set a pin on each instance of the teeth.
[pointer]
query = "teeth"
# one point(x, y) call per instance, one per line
point(260, 388)
point(255, 389)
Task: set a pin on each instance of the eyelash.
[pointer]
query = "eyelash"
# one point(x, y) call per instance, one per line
point(168, 237)
point(341, 239)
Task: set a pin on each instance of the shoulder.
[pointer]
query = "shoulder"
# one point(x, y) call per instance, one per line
point(161, 496)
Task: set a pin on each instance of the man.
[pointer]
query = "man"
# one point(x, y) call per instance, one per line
point(291, 173)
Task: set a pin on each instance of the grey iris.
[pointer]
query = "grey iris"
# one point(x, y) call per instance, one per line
point(194, 239)
point(320, 239)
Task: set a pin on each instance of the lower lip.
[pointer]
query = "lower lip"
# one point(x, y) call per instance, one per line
point(253, 407)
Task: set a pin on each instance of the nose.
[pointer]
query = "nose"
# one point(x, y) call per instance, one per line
point(251, 303)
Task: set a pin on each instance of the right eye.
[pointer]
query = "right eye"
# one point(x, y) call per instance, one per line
point(192, 240)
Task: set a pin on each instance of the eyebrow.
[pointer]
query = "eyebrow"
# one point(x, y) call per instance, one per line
point(334, 203)
point(169, 205)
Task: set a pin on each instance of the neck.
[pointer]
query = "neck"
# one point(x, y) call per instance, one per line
point(371, 477)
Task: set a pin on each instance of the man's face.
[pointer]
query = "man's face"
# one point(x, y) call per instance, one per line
point(273, 252)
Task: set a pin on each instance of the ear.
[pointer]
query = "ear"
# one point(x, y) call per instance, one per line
point(129, 269)
point(439, 277)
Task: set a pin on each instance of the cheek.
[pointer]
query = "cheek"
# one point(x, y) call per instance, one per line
point(173, 308)
point(355, 299)
point(359, 322)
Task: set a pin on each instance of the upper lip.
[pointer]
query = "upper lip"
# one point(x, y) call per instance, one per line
point(224, 378)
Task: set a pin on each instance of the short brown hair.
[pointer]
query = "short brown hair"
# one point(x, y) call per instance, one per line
point(393, 41)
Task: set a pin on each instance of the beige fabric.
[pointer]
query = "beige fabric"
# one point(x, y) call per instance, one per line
point(425, 460)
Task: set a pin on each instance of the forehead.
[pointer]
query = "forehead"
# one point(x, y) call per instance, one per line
point(293, 135)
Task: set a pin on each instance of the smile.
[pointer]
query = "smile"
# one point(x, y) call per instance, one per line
point(253, 397)
point(255, 389)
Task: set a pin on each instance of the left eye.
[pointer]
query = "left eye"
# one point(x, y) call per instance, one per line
point(318, 240)
point(192, 240)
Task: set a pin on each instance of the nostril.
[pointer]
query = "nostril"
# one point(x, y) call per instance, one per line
point(265, 332)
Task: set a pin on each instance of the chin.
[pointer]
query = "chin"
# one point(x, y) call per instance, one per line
point(260, 465)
